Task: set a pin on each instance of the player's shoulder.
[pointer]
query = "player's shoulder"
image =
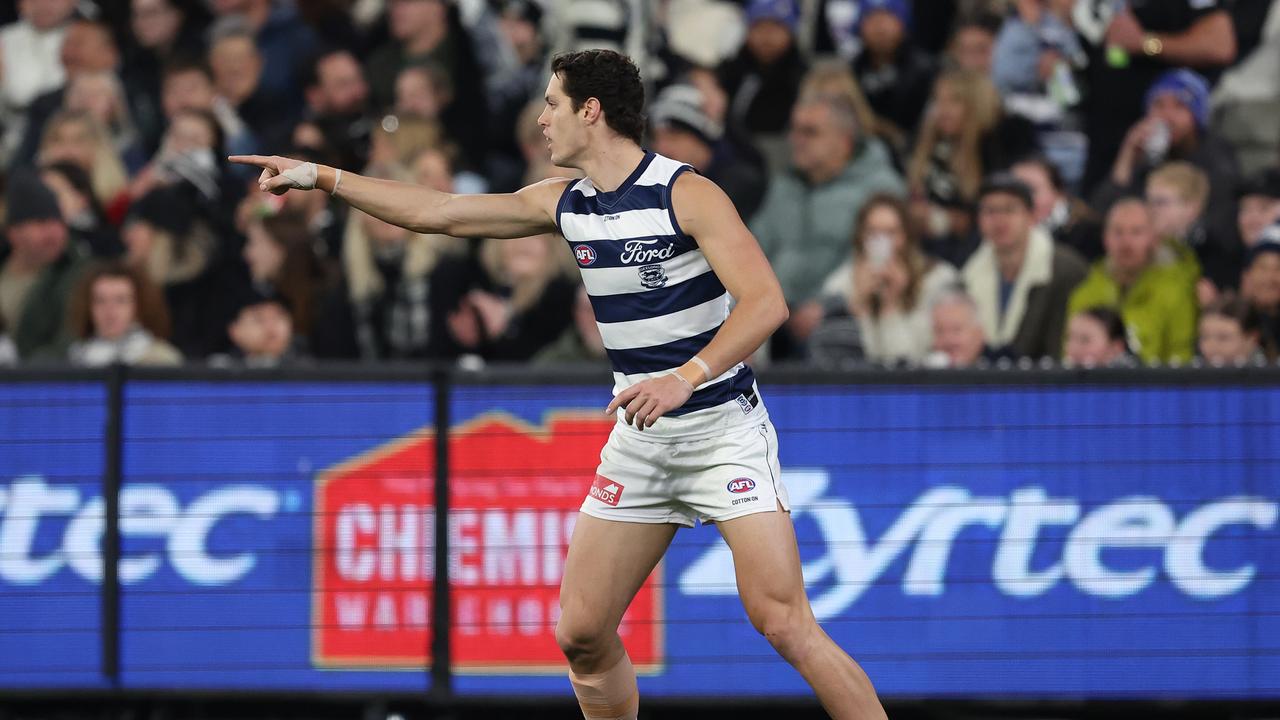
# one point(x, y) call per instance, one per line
point(546, 193)
point(694, 196)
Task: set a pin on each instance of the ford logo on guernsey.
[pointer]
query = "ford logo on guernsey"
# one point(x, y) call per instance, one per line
point(585, 255)
point(741, 485)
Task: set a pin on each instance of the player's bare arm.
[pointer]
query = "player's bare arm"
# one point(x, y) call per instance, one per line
point(529, 211)
point(705, 213)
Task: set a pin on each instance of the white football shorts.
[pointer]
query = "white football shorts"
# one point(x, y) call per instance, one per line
point(708, 479)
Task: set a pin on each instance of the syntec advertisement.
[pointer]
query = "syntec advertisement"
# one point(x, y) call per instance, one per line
point(957, 541)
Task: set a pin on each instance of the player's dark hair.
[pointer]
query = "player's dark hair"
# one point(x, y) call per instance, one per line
point(612, 79)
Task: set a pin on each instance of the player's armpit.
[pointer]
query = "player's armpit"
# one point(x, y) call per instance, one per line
point(705, 213)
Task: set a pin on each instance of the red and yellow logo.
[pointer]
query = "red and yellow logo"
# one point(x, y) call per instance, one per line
point(515, 491)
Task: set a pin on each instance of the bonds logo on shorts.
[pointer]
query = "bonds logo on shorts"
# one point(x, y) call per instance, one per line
point(606, 490)
point(585, 254)
point(652, 276)
point(741, 485)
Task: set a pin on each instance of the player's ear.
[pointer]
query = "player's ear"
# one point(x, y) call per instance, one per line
point(590, 110)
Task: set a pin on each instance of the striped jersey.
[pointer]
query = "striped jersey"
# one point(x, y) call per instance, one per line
point(656, 299)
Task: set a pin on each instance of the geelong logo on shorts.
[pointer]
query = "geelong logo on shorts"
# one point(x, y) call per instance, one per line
point(608, 491)
point(741, 485)
point(585, 254)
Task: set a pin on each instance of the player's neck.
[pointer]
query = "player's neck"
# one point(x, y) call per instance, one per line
point(610, 164)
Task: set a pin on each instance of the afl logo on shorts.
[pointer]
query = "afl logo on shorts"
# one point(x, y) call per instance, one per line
point(741, 485)
point(652, 276)
point(584, 253)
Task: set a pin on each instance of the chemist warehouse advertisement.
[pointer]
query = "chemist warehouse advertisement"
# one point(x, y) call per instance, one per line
point(959, 541)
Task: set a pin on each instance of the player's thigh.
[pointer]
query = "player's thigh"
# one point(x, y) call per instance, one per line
point(766, 562)
point(608, 562)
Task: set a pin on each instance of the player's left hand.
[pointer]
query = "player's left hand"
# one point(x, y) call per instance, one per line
point(651, 399)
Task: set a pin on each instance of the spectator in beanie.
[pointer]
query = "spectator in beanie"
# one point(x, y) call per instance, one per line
point(1259, 205)
point(38, 268)
point(1130, 45)
point(117, 315)
point(1231, 334)
point(1068, 219)
point(896, 76)
point(763, 80)
point(1175, 127)
point(684, 132)
point(1140, 279)
point(262, 334)
point(1096, 337)
point(1020, 280)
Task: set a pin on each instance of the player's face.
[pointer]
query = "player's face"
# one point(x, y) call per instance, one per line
point(561, 125)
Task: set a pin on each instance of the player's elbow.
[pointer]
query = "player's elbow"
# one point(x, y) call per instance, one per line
point(778, 312)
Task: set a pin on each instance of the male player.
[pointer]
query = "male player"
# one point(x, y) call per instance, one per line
point(662, 252)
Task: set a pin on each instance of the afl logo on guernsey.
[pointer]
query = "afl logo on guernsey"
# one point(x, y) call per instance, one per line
point(741, 485)
point(584, 254)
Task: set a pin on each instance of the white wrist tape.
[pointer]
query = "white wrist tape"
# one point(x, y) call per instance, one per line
point(302, 177)
point(683, 380)
point(706, 369)
point(337, 180)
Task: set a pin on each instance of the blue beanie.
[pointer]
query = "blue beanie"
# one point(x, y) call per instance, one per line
point(900, 9)
point(1189, 87)
point(786, 12)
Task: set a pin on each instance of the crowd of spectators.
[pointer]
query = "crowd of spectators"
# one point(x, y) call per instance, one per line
point(944, 183)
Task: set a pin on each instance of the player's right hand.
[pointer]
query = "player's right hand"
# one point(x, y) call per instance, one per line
point(650, 399)
point(281, 174)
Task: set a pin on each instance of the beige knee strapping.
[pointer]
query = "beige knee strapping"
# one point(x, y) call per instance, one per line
point(610, 695)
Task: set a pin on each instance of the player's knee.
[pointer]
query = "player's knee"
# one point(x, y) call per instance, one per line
point(788, 627)
point(578, 639)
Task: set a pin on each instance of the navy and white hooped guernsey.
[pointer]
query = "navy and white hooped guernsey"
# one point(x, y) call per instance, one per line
point(657, 301)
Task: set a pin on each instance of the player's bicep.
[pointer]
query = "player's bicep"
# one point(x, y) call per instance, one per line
point(706, 213)
point(529, 211)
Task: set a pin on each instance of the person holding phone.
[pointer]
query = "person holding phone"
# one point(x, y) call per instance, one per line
point(877, 303)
